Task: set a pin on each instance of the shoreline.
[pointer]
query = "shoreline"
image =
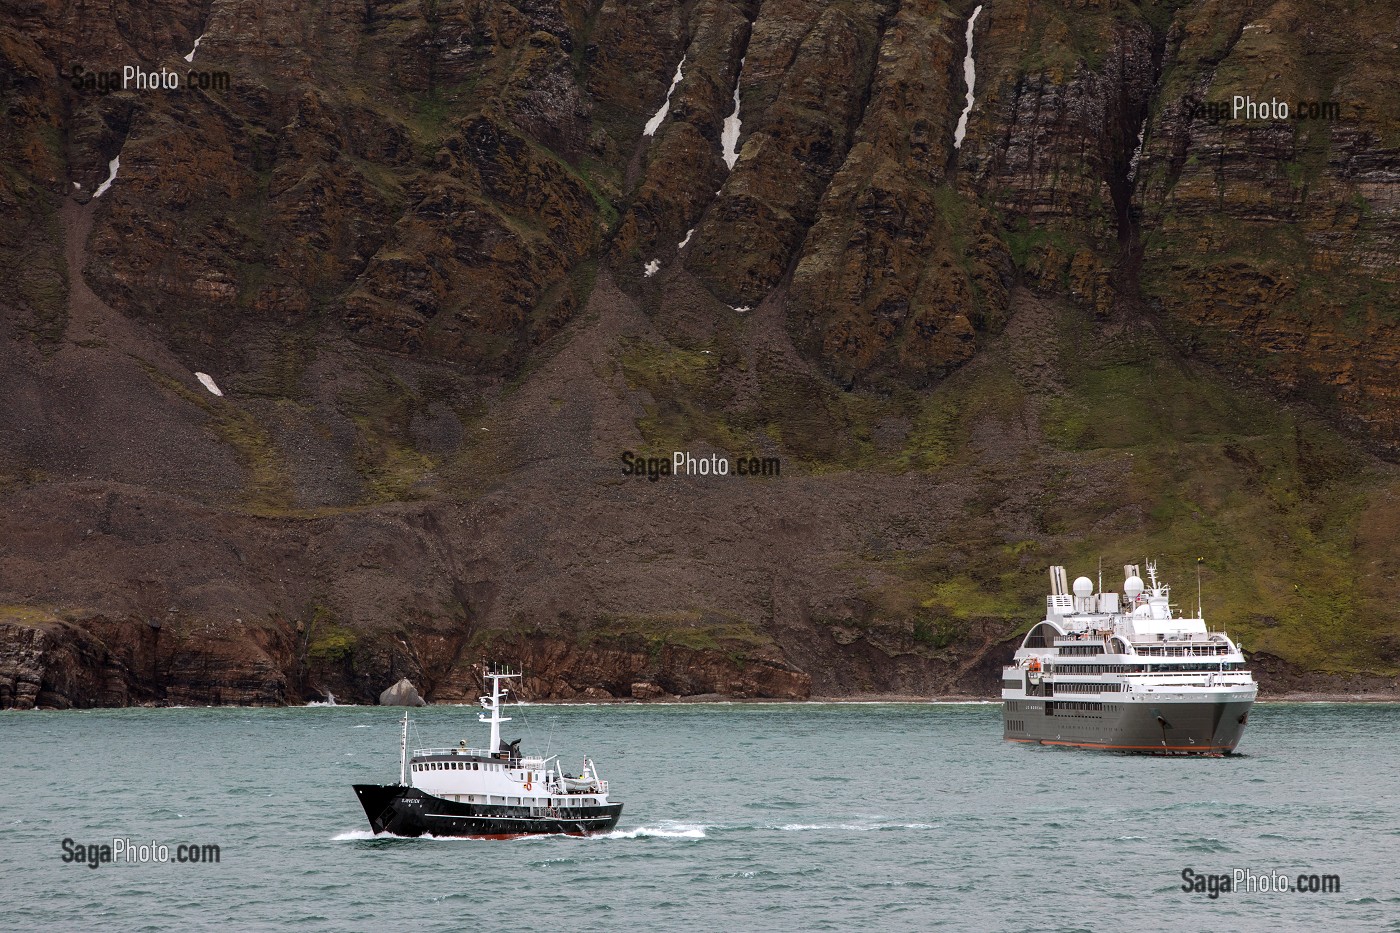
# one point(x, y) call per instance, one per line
point(722, 700)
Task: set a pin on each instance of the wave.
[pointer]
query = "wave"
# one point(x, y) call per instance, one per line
point(364, 835)
point(852, 827)
point(679, 831)
point(353, 834)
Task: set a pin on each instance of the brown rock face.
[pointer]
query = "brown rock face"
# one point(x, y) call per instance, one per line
point(436, 267)
point(421, 173)
point(45, 663)
point(1277, 241)
point(897, 267)
point(1061, 98)
point(683, 158)
point(643, 675)
point(795, 145)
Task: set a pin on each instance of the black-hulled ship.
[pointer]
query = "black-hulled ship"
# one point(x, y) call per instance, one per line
point(494, 792)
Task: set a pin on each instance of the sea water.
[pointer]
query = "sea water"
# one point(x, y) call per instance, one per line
point(738, 817)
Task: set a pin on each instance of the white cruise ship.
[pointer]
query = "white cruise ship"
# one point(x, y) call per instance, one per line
point(1124, 673)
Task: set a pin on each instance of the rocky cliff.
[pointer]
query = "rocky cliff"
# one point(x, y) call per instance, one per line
point(446, 262)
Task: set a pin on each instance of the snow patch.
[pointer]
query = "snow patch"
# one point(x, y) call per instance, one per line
point(729, 138)
point(970, 75)
point(651, 268)
point(688, 234)
point(655, 122)
point(207, 380)
point(112, 167)
point(1137, 153)
point(190, 57)
point(77, 184)
point(742, 309)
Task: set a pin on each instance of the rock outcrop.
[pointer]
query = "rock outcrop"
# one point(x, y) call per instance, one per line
point(402, 693)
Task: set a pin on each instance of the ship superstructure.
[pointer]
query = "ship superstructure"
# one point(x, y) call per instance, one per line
point(1124, 672)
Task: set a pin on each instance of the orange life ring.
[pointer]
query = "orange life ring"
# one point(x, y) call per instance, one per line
point(527, 785)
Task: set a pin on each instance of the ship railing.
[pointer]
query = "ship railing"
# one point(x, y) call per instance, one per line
point(1206, 650)
point(1192, 678)
point(452, 750)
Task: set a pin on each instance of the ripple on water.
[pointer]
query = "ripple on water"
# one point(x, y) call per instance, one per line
point(759, 846)
point(680, 831)
point(852, 827)
point(1207, 845)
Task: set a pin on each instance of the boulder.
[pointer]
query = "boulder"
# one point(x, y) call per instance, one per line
point(402, 693)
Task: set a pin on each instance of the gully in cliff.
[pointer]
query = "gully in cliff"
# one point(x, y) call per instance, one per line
point(1126, 674)
point(493, 792)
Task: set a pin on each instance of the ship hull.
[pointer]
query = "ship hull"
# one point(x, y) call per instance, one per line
point(1198, 727)
point(408, 811)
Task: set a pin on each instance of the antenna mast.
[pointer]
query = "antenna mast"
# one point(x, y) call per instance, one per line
point(1200, 611)
point(492, 704)
point(403, 752)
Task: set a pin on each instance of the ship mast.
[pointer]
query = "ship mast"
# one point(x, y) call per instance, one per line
point(403, 752)
point(492, 705)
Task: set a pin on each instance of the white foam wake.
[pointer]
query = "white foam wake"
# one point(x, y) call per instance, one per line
point(655, 122)
point(112, 167)
point(352, 834)
point(851, 827)
point(729, 138)
point(679, 831)
point(970, 75)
